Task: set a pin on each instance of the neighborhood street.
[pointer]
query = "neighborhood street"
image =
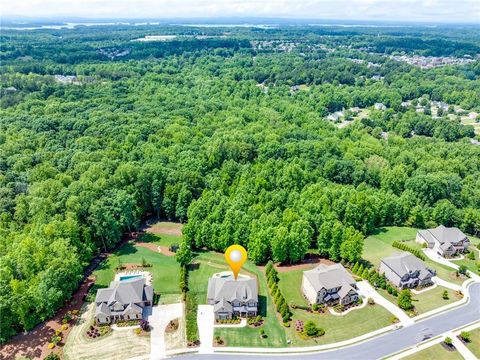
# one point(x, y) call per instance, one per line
point(389, 343)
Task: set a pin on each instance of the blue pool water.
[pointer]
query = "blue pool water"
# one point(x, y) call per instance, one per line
point(128, 277)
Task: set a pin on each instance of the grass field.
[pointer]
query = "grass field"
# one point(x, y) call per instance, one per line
point(474, 344)
point(210, 263)
point(437, 352)
point(472, 265)
point(337, 328)
point(160, 239)
point(165, 270)
point(379, 245)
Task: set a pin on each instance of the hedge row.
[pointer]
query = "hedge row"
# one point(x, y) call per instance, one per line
point(280, 303)
point(418, 253)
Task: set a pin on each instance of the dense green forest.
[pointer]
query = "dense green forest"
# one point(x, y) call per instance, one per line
point(180, 129)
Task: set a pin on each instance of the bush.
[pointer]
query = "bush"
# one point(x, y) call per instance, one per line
point(371, 301)
point(448, 341)
point(51, 345)
point(315, 307)
point(462, 269)
point(262, 333)
point(138, 331)
point(410, 249)
point(393, 319)
point(191, 318)
point(445, 295)
point(286, 324)
point(64, 327)
point(311, 330)
point(471, 255)
point(405, 300)
point(465, 336)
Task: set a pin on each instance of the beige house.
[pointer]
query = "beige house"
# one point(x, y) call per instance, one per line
point(447, 242)
point(330, 285)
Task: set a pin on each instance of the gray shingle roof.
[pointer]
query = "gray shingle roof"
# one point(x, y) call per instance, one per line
point(403, 263)
point(329, 277)
point(446, 235)
point(242, 289)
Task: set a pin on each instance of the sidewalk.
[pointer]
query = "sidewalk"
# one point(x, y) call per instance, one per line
point(368, 291)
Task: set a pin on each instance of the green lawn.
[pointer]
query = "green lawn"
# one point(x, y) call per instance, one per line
point(432, 299)
point(287, 281)
point(378, 246)
point(160, 239)
point(165, 270)
point(471, 265)
point(474, 345)
point(437, 352)
point(337, 328)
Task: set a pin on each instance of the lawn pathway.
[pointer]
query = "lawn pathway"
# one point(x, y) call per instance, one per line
point(369, 292)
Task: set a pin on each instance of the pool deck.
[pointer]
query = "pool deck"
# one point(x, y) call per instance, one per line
point(127, 275)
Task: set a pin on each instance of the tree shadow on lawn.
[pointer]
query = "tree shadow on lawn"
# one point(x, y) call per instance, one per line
point(378, 231)
point(262, 305)
point(149, 238)
point(127, 249)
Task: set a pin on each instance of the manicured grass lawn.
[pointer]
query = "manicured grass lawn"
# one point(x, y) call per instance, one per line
point(379, 245)
point(160, 239)
point(337, 328)
point(165, 270)
point(437, 352)
point(432, 299)
point(474, 344)
point(289, 280)
point(211, 263)
point(471, 265)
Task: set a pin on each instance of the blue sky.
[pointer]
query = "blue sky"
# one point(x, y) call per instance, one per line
point(397, 10)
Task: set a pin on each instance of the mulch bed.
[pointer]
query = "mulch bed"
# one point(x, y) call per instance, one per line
point(448, 347)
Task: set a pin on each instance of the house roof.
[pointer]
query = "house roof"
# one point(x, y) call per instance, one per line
point(125, 292)
point(223, 305)
point(403, 263)
point(445, 235)
point(329, 276)
point(227, 288)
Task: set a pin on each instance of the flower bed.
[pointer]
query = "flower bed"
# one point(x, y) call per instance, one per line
point(126, 323)
point(96, 331)
point(228, 321)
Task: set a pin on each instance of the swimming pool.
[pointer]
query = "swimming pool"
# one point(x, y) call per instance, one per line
point(128, 277)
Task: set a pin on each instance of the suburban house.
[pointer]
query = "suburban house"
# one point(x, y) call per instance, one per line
point(380, 106)
point(330, 285)
point(231, 297)
point(445, 241)
point(405, 270)
point(123, 300)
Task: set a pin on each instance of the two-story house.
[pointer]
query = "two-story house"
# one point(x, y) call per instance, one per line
point(123, 300)
point(405, 270)
point(330, 285)
point(231, 297)
point(447, 242)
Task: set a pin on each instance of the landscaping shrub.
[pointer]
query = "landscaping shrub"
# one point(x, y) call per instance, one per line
point(191, 318)
point(445, 295)
point(471, 255)
point(311, 330)
point(410, 249)
point(371, 301)
point(448, 341)
point(465, 336)
point(405, 300)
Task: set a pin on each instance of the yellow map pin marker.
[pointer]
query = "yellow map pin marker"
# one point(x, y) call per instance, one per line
point(236, 255)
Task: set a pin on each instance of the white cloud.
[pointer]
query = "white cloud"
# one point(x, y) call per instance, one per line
point(411, 10)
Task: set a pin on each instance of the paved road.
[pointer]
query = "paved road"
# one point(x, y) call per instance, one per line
point(384, 345)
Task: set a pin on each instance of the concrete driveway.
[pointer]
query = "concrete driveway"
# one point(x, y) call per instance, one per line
point(159, 319)
point(368, 291)
point(205, 322)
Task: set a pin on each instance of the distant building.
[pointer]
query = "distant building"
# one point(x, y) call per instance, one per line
point(380, 106)
point(336, 115)
point(473, 115)
point(294, 88)
point(405, 270)
point(329, 285)
point(445, 241)
point(123, 300)
point(377, 77)
point(67, 79)
point(231, 297)
point(10, 89)
point(406, 104)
